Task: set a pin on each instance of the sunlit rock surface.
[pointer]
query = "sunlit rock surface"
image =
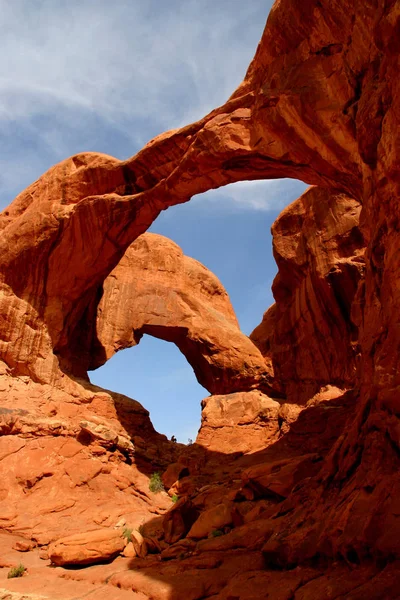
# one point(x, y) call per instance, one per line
point(156, 289)
point(309, 335)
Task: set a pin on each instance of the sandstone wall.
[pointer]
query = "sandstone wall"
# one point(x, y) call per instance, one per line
point(308, 335)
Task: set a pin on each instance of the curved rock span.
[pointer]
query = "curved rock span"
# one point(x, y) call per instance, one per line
point(157, 290)
point(320, 102)
point(66, 232)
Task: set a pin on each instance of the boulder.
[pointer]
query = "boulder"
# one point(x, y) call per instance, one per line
point(179, 519)
point(87, 548)
point(277, 479)
point(239, 422)
point(139, 544)
point(213, 519)
point(129, 550)
point(174, 472)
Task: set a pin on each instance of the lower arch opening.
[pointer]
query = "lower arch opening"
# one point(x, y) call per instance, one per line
point(156, 374)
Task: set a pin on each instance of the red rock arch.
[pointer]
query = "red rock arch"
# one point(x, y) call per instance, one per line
point(156, 289)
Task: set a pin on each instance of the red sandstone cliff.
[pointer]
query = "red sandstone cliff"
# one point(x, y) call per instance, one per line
point(308, 335)
point(320, 103)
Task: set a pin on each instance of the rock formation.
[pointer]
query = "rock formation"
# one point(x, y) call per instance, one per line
point(308, 335)
point(87, 548)
point(239, 422)
point(320, 102)
point(157, 290)
point(73, 461)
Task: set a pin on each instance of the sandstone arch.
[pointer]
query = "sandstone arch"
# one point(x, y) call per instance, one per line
point(320, 103)
point(67, 231)
point(156, 289)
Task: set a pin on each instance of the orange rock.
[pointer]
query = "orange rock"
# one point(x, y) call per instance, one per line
point(153, 545)
point(179, 549)
point(261, 510)
point(186, 486)
point(213, 519)
point(288, 413)
point(63, 236)
point(173, 297)
point(277, 479)
point(129, 550)
point(172, 474)
point(250, 536)
point(86, 548)
point(308, 335)
point(179, 519)
point(139, 544)
point(23, 545)
point(240, 422)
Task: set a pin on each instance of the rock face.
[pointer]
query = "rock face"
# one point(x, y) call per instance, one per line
point(75, 460)
point(308, 335)
point(320, 102)
point(240, 422)
point(157, 290)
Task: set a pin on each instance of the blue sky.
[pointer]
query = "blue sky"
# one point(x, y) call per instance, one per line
point(108, 76)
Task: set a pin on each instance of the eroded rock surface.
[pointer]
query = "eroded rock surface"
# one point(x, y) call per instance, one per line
point(87, 548)
point(309, 336)
point(74, 461)
point(240, 422)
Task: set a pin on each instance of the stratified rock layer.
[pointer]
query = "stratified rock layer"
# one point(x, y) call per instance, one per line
point(76, 459)
point(308, 335)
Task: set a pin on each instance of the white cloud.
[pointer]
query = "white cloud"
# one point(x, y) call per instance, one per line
point(261, 195)
point(124, 60)
point(128, 68)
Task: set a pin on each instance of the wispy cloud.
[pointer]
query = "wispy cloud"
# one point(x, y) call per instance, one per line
point(108, 76)
point(124, 59)
point(265, 195)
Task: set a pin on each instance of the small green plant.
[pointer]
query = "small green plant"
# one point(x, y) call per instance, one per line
point(175, 498)
point(156, 484)
point(16, 571)
point(216, 533)
point(127, 533)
